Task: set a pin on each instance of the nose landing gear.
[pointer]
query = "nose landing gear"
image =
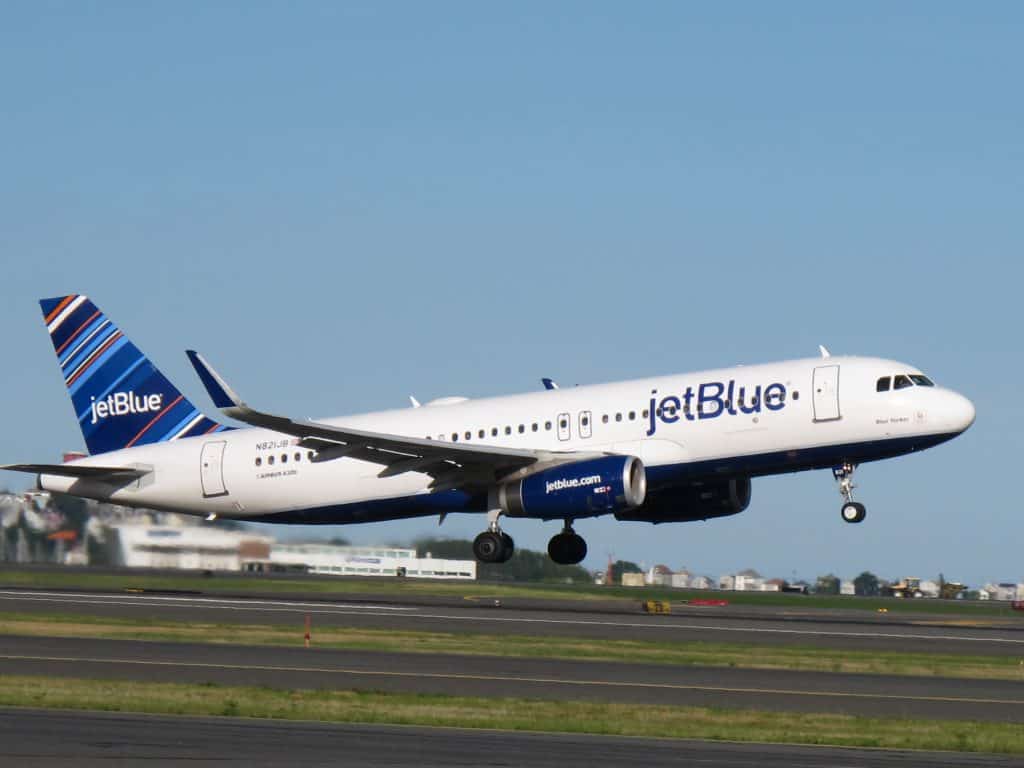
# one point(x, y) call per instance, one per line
point(567, 547)
point(852, 511)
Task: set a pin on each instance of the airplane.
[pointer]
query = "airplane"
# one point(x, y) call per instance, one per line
point(665, 449)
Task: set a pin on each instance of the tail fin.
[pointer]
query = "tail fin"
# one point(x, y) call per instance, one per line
point(120, 397)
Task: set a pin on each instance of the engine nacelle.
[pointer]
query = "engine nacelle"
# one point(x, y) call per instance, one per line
point(580, 489)
point(699, 501)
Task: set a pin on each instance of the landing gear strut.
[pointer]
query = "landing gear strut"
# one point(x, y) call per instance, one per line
point(567, 547)
point(493, 545)
point(852, 511)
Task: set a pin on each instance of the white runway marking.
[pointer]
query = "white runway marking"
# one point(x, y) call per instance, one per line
point(283, 606)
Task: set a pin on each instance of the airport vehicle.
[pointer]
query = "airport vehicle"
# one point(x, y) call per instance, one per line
point(660, 450)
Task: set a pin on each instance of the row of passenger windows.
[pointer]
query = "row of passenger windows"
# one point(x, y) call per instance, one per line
point(283, 459)
point(563, 424)
point(902, 381)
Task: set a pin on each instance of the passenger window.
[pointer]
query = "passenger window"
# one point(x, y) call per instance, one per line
point(455, 437)
point(585, 420)
point(534, 426)
point(494, 431)
point(508, 430)
point(632, 415)
point(521, 429)
point(883, 384)
point(309, 455)
point(618, 417)
point(547, 425)
point(796, 395)
point(604, 419)
point(270, 460)
point(284, 458)
point(259, 461)
point(563, 423)
point(901, 382)
point(298, 456)
point(468, 434)
point(481, 434)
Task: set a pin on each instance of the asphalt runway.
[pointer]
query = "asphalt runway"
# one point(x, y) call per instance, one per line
point(785, 627)
point(492, 677)
point(55, 739)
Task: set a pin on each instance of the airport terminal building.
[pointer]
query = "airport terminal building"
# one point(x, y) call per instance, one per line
point(135, 545)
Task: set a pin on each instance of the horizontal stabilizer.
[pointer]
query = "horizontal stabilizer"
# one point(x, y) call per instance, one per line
point(78, 470)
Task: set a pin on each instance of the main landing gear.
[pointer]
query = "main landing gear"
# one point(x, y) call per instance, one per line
point(852, 511)
point(493, 545)
point(567, 547)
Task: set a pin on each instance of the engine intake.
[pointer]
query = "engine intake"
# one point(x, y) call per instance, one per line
point(580, 489)
point(699, 501)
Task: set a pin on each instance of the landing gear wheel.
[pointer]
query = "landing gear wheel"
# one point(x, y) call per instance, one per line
point(508, 547)
point(567, 548)
point(488, 547)
point(853, 512)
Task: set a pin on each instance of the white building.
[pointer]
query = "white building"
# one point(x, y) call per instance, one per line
point(186, 547)
point(333, 559)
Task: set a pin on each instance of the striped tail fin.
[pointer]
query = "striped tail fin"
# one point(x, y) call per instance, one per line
point(120, 397)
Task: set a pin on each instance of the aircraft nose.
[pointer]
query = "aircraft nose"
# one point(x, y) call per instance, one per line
point(960, 411)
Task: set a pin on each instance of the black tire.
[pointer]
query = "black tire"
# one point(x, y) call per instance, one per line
point(488, 547)
point(508, 546)
point(558, 548)
point(853, 512)
point(577, 549)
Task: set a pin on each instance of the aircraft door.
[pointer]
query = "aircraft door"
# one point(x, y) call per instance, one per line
point(585, 428)
point(211, 462)
point(563, 426)
point(826, 393)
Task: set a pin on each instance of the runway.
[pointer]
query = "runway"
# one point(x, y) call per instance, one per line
point(491, 677)
point(820, 629)
point(55, 739)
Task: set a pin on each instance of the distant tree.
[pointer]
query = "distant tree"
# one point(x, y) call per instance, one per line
point(827, 585)
point(339, 541)
point(866, 584)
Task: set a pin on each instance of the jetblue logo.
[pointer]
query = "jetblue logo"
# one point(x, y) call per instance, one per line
point(123, 403)
point(553, 486)
point(713, 399)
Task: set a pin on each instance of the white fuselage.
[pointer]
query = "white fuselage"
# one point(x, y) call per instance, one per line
point(751, 420)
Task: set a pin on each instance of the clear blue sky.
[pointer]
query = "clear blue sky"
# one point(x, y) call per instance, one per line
point(345, 203)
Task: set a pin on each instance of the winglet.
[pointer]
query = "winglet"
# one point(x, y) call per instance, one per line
point(221, 394)
point(824, 352)
point(549, 383)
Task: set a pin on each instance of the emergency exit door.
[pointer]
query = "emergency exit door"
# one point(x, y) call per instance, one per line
point(826, 393)
point(211, 462)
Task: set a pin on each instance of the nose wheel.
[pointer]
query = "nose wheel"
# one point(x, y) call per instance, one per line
point(851, 511)
point(567, 547)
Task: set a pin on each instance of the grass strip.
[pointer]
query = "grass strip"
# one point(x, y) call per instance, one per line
point(331, 585)
point(739, 655)
point(511, 714)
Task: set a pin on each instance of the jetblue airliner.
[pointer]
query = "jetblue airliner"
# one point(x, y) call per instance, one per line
point(659, 450)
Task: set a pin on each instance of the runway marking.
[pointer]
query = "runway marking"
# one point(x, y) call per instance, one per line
point(86, 597)
point(515, 679)
point(342, 609)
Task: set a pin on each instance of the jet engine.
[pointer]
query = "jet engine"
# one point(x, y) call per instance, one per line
point(579, 489)
point(698, 501)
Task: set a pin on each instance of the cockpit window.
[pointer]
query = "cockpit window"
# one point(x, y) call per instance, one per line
point(883, 384)
point(901, 382)
point(921, 380)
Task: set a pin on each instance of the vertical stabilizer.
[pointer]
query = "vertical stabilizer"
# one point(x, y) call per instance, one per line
point(119, 396)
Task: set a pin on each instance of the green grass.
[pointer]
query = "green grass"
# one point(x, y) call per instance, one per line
point(739, 655)
point(511, 714)
point(327, 586)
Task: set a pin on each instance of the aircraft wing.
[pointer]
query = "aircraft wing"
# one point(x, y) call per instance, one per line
point(452, 465)
point(76, 470)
